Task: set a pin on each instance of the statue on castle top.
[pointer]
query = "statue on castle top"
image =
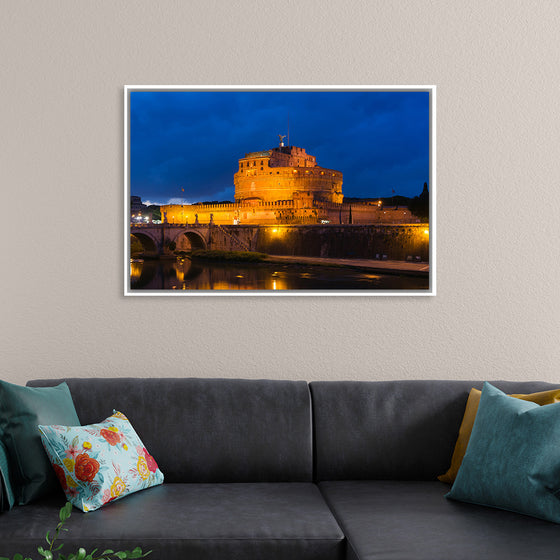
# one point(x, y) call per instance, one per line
point(281, 136)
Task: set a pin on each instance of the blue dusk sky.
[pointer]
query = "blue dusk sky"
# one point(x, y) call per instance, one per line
point(194, 139)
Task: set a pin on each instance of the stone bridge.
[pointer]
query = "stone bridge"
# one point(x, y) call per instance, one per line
point(392, 241)
point(156, 239)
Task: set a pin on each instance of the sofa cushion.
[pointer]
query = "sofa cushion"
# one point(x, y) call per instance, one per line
point(99, 463)
point(400, 430)
point(465, 430)
point(21, 410)
point(513, 457)
point(278, 521)
point(209, 430)
point(411, 520)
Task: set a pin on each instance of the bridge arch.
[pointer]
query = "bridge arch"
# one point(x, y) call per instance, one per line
point(147, 242)
point(190, 241)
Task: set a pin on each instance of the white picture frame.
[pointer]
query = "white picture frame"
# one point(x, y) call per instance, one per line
point(409, 267)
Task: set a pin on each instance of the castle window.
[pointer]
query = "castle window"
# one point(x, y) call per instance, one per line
point(262, 163)
point(241, 165)
point(262, 168)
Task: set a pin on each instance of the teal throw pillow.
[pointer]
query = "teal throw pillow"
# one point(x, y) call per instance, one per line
point(6, 491)
point(99, 463)
point(21, 410)
point(513, 457)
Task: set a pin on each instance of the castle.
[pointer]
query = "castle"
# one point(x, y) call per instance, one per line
point(284, 185)
point(285, 173)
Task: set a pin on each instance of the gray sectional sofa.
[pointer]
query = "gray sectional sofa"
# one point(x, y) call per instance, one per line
point(285, 470)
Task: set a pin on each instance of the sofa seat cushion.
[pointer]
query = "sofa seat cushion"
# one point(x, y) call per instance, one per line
point(236, 521)
point(392, 520)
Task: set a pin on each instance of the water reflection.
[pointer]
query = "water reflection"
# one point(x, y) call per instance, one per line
point(184, 274)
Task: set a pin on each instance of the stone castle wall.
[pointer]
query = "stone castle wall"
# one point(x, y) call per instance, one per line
point(280, 183)
point(284, 212)
point(279, 173)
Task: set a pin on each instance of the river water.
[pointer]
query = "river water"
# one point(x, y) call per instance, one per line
point(184, 274)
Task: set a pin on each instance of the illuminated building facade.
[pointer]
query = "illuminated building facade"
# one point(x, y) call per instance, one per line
point(285, 173)
point(284, 185)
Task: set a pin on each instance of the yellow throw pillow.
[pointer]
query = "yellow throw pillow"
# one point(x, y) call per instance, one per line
point(541, 398)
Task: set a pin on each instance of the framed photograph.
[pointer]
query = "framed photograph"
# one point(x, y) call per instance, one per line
point(279, 190)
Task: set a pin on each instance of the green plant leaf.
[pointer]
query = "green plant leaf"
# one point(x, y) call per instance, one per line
point(46, 554)
point(82, 554)
point(65, 512)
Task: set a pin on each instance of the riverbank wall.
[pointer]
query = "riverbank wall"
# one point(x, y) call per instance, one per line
point(388, 241)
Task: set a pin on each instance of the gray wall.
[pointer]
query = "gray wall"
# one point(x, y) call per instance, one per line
point(495, 64)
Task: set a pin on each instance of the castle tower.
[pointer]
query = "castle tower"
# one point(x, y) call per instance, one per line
point(285, 173)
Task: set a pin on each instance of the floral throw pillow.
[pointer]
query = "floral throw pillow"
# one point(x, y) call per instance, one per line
point(99, 463)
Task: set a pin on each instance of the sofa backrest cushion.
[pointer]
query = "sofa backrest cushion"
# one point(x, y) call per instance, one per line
point(208, 430)
point(392, 430)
